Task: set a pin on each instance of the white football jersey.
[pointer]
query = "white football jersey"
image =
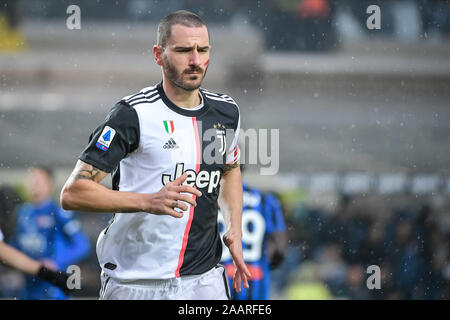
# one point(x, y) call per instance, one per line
point(147, 141)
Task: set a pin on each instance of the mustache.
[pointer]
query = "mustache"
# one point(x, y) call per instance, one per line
point(195, 69)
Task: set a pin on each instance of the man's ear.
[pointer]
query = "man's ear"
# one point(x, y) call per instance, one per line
point(157, 54)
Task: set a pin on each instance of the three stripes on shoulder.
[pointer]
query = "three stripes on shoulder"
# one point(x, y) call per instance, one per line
point(218, 97)
point(146, 95)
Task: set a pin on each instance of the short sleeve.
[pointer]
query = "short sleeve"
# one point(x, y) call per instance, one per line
point(234, 154)
point(114, 139)
point(1, 235)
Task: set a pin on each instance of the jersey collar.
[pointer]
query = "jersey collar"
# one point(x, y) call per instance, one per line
point(183, 111)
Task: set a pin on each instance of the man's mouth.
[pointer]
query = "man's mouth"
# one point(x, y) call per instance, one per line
point(193, 72)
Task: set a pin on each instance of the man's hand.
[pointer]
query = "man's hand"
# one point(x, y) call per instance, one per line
point(170, 197)
point(241, 273)
point(49, 264)
point(57, 278)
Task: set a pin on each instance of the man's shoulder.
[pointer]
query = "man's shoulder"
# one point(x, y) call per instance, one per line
point(145, 95)
point(221, 101)
point(217, 97)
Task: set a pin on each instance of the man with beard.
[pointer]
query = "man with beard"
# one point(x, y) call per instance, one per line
point(163, 242)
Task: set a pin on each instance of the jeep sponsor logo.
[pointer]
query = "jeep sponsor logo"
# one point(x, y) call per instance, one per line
point(201, 180)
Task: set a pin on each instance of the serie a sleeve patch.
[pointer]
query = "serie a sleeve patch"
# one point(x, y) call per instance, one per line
point(104, 141)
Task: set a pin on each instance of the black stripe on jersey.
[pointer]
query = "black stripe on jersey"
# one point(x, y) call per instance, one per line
point(143, 100)
point(204, 246)
point(220, 99)
point(103, 288)
point(140, 93)
point(143, 96)
point(212, 93)
point(225, 281)
point(131, 97)
point(110, 223)
point(217, 96)
point(116, 178)
point(150, 90)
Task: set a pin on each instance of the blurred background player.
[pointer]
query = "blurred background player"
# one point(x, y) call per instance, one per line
point(21, 262)
point(47, 233)
point(264, 242)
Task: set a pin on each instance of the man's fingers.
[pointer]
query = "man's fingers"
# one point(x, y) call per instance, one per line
point(188, 189)
point(180, 180)
point(241, 265)
point(237, 281)
point(234, 278)
point(175, 214)
point(239, 261)
point(186, 198)
point(173, 203)
point(175, 196)
point(180, 205)
point(240, 277)
point(245, 281)
point(246, 272)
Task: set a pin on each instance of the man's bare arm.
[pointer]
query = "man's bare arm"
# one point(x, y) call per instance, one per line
point(18, 260)
point(230, 202)
point(230, 198)
point(83, 192)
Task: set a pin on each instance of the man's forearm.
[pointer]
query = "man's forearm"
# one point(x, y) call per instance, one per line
point(231, 201)
point(89, 196)
point(18, 260)
point(83, 192)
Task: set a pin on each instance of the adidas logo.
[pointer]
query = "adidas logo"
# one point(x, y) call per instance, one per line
point(171, 144)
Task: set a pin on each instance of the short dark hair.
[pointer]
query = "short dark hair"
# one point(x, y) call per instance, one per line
point(183, 17)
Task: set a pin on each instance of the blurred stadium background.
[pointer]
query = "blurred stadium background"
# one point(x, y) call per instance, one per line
point(364, 119)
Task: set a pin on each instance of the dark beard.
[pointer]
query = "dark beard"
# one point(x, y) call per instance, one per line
point(177, 79)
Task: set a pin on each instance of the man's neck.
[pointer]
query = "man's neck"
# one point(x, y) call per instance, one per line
point(180, 97)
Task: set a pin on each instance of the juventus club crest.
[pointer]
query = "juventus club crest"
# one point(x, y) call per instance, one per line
point(220, 132)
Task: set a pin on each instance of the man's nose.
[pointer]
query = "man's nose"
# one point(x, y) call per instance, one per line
point(194, 58)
